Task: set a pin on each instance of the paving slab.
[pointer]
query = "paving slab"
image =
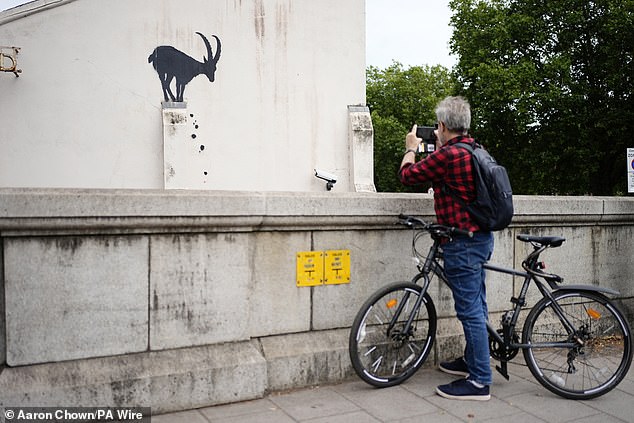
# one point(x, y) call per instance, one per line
point(314, 403)
point(551, 408)
point(182, 417)
point(387, 404)
point(616, 403)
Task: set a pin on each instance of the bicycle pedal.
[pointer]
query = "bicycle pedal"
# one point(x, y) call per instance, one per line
point(502, 370)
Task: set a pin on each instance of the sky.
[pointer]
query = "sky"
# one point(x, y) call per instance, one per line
point(412, 32)
point(7, 4)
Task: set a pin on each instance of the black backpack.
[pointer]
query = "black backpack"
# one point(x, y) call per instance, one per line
point(492, 208)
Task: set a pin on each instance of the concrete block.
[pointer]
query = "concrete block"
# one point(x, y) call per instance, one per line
point(376, 259)
point(379, 258)
point(53, 204)
point(206, 376)
point(199, 289)
point(165, 381)
point(530, 205)
point(449, 342)
point(306, 359)
point(627, 307)
point(361, 137)
point(277, 305)
point(500, 285)
point(573, 260)
point(75, 297)
point(618, 206)
point(187, 160)
point(612, 257)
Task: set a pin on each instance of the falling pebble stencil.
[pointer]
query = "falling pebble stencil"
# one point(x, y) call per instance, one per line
point(187, 152)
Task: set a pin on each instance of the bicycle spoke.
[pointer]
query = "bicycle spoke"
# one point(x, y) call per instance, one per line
point(598, 352)
point(377, 363)
point(385, 348)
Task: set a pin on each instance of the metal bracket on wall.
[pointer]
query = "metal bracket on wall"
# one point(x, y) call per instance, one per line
point(9, 60)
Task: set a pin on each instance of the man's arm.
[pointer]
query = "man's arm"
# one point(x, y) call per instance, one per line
point(411, 146)
point(430, 169)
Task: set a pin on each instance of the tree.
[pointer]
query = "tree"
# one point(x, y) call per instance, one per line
point(398, 97)
point(551, 89)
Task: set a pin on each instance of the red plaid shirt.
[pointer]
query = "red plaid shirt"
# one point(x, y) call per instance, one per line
point(451, 166)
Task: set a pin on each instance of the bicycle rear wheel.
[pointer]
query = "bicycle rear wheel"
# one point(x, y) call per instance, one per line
point(587, 363)
point(381, 352)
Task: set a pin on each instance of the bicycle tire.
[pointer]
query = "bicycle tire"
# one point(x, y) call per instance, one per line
point(588, 370)
point(383, 357)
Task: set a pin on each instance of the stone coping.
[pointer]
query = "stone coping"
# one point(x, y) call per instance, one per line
point(31, 210)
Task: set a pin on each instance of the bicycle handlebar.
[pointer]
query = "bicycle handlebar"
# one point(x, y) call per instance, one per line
point(445, 231)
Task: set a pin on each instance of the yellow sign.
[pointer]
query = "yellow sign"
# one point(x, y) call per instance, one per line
point(310, 268)
point(337, 267)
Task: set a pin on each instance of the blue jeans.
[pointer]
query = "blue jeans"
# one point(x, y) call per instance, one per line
point(464, 258)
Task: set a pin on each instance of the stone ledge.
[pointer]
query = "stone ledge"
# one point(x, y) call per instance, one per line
point(33, 203)
point(72, 211)
point(306, 359)
point(181, 379)
point(166, 381)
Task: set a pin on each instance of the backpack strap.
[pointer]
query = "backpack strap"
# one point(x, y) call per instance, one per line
point(448, 190)
point(465, 146)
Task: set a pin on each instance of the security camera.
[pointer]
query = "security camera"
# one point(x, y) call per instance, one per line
point(330, 179)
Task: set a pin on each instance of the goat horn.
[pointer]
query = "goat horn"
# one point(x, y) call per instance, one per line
point(218, 48)
point(210, 54)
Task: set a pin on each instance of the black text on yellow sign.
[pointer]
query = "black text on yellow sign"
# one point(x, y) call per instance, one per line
point(329, 267)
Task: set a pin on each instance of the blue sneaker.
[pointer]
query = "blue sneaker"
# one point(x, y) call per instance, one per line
point(463, 389)
point(457, 367)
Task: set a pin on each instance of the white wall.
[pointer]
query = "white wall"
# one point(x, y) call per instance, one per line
point(86, 109)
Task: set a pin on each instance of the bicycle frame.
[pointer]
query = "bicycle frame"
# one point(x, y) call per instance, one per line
point(431, 265)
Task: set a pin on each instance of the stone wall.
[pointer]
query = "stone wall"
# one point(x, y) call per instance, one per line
point(185, 299)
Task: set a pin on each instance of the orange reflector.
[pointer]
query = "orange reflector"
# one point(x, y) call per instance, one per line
point(391, 303)
point(593, 313)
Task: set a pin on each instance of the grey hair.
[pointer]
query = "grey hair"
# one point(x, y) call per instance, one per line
point(455, 113)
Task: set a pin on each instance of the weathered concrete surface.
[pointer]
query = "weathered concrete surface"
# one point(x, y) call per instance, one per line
point(613, 256)
point(75, 297)
point(199, 288)
point(306, 359)
point(361, 137)
point(276, 305)
point(377, 257)
point(166, 380)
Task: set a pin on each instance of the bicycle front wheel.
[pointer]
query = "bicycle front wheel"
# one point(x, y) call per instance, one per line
point(384, 349)
point(586, 363)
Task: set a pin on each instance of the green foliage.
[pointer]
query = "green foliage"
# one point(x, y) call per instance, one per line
point(398, 97)
point(551, 89)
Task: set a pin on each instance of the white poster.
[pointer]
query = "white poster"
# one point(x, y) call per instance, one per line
point(630, 170)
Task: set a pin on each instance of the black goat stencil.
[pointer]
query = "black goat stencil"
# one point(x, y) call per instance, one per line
point(171, 63)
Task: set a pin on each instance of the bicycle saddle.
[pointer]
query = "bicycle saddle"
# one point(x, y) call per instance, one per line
point(551, 241)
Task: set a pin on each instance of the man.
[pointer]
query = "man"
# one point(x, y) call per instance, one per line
point(450, 167)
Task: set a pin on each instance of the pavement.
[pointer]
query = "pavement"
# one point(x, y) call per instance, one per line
point(520, 400)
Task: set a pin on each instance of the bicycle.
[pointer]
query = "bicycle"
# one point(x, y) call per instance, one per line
point(575, 341)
